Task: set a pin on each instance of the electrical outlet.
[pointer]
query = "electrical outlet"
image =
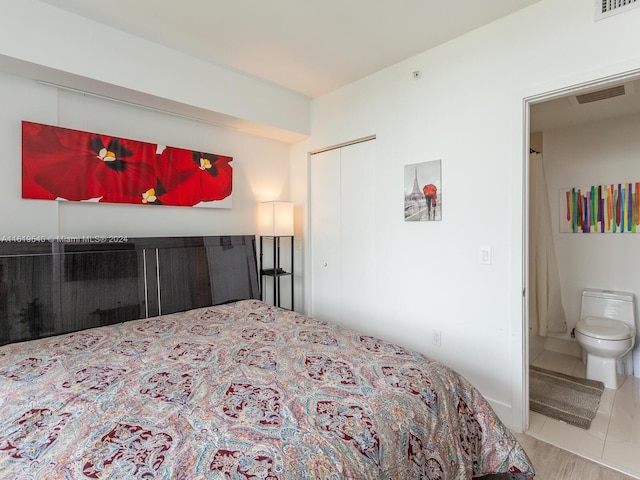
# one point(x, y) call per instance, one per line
point(436, 337)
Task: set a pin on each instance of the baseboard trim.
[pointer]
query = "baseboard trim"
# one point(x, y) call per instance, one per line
point(504, 413)
point(561, 345)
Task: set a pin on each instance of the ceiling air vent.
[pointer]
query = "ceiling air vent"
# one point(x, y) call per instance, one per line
point(606, 8)
point(600, 94)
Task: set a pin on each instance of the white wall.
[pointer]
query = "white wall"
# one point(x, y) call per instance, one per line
point(596, 153)
point(468, 110)
point(49, 43)
point(260, 167)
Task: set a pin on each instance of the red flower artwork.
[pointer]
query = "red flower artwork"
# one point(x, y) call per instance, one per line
point(188, 177)
point(60, 163)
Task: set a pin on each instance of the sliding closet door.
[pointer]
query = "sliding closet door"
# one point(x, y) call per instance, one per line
point(325, 236)
point(358, 239)
point(343, 245)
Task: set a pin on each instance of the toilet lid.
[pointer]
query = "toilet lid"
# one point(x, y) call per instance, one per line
point(604, 328)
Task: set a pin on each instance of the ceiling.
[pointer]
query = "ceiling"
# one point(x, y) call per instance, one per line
point(310, 47)
point(565, 111)
point(314, 47)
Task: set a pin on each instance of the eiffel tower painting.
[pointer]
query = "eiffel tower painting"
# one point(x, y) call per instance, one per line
point(423, 192)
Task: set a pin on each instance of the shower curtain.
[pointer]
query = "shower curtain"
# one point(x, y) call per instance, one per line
point(546, 313)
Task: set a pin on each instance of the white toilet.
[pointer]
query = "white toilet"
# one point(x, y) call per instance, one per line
point(606, 331)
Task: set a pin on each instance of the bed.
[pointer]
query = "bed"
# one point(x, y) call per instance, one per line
point(238, 390)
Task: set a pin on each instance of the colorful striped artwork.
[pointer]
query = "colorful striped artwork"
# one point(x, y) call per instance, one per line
point(601, 209)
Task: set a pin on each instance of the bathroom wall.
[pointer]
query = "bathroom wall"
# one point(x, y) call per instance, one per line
point(583, 155)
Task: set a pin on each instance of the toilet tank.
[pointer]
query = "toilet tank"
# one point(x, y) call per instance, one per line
point(609, 304)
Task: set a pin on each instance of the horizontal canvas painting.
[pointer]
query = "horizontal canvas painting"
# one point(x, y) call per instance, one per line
point(610, 208)
point(65, 164)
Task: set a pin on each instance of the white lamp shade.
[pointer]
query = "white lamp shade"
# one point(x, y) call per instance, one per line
point(276, 219)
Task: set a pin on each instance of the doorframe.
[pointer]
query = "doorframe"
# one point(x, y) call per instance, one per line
point(594, 80)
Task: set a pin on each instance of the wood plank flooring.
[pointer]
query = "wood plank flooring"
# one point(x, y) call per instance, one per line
point(553, 463)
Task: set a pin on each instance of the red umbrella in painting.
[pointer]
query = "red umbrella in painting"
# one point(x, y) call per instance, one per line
point(430, 192)
point(76, 165)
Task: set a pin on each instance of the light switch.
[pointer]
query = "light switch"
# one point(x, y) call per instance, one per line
point(485, 255)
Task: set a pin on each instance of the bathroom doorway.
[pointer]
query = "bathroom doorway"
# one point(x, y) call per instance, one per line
point(556, 122)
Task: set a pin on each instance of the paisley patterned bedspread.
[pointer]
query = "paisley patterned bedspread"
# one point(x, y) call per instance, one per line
point(241, 391)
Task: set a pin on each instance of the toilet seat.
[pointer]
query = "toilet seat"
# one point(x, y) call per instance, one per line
point(604, 328)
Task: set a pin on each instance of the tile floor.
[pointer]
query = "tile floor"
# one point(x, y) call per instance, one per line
point(614, 437)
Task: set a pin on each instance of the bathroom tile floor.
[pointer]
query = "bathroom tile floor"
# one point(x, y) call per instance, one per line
point(614, 437)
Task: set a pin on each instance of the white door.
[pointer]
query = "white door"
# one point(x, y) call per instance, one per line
point(343, 240)
point(324, 211)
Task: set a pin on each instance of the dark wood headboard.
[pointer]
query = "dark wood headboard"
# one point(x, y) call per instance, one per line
point(49, 287)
